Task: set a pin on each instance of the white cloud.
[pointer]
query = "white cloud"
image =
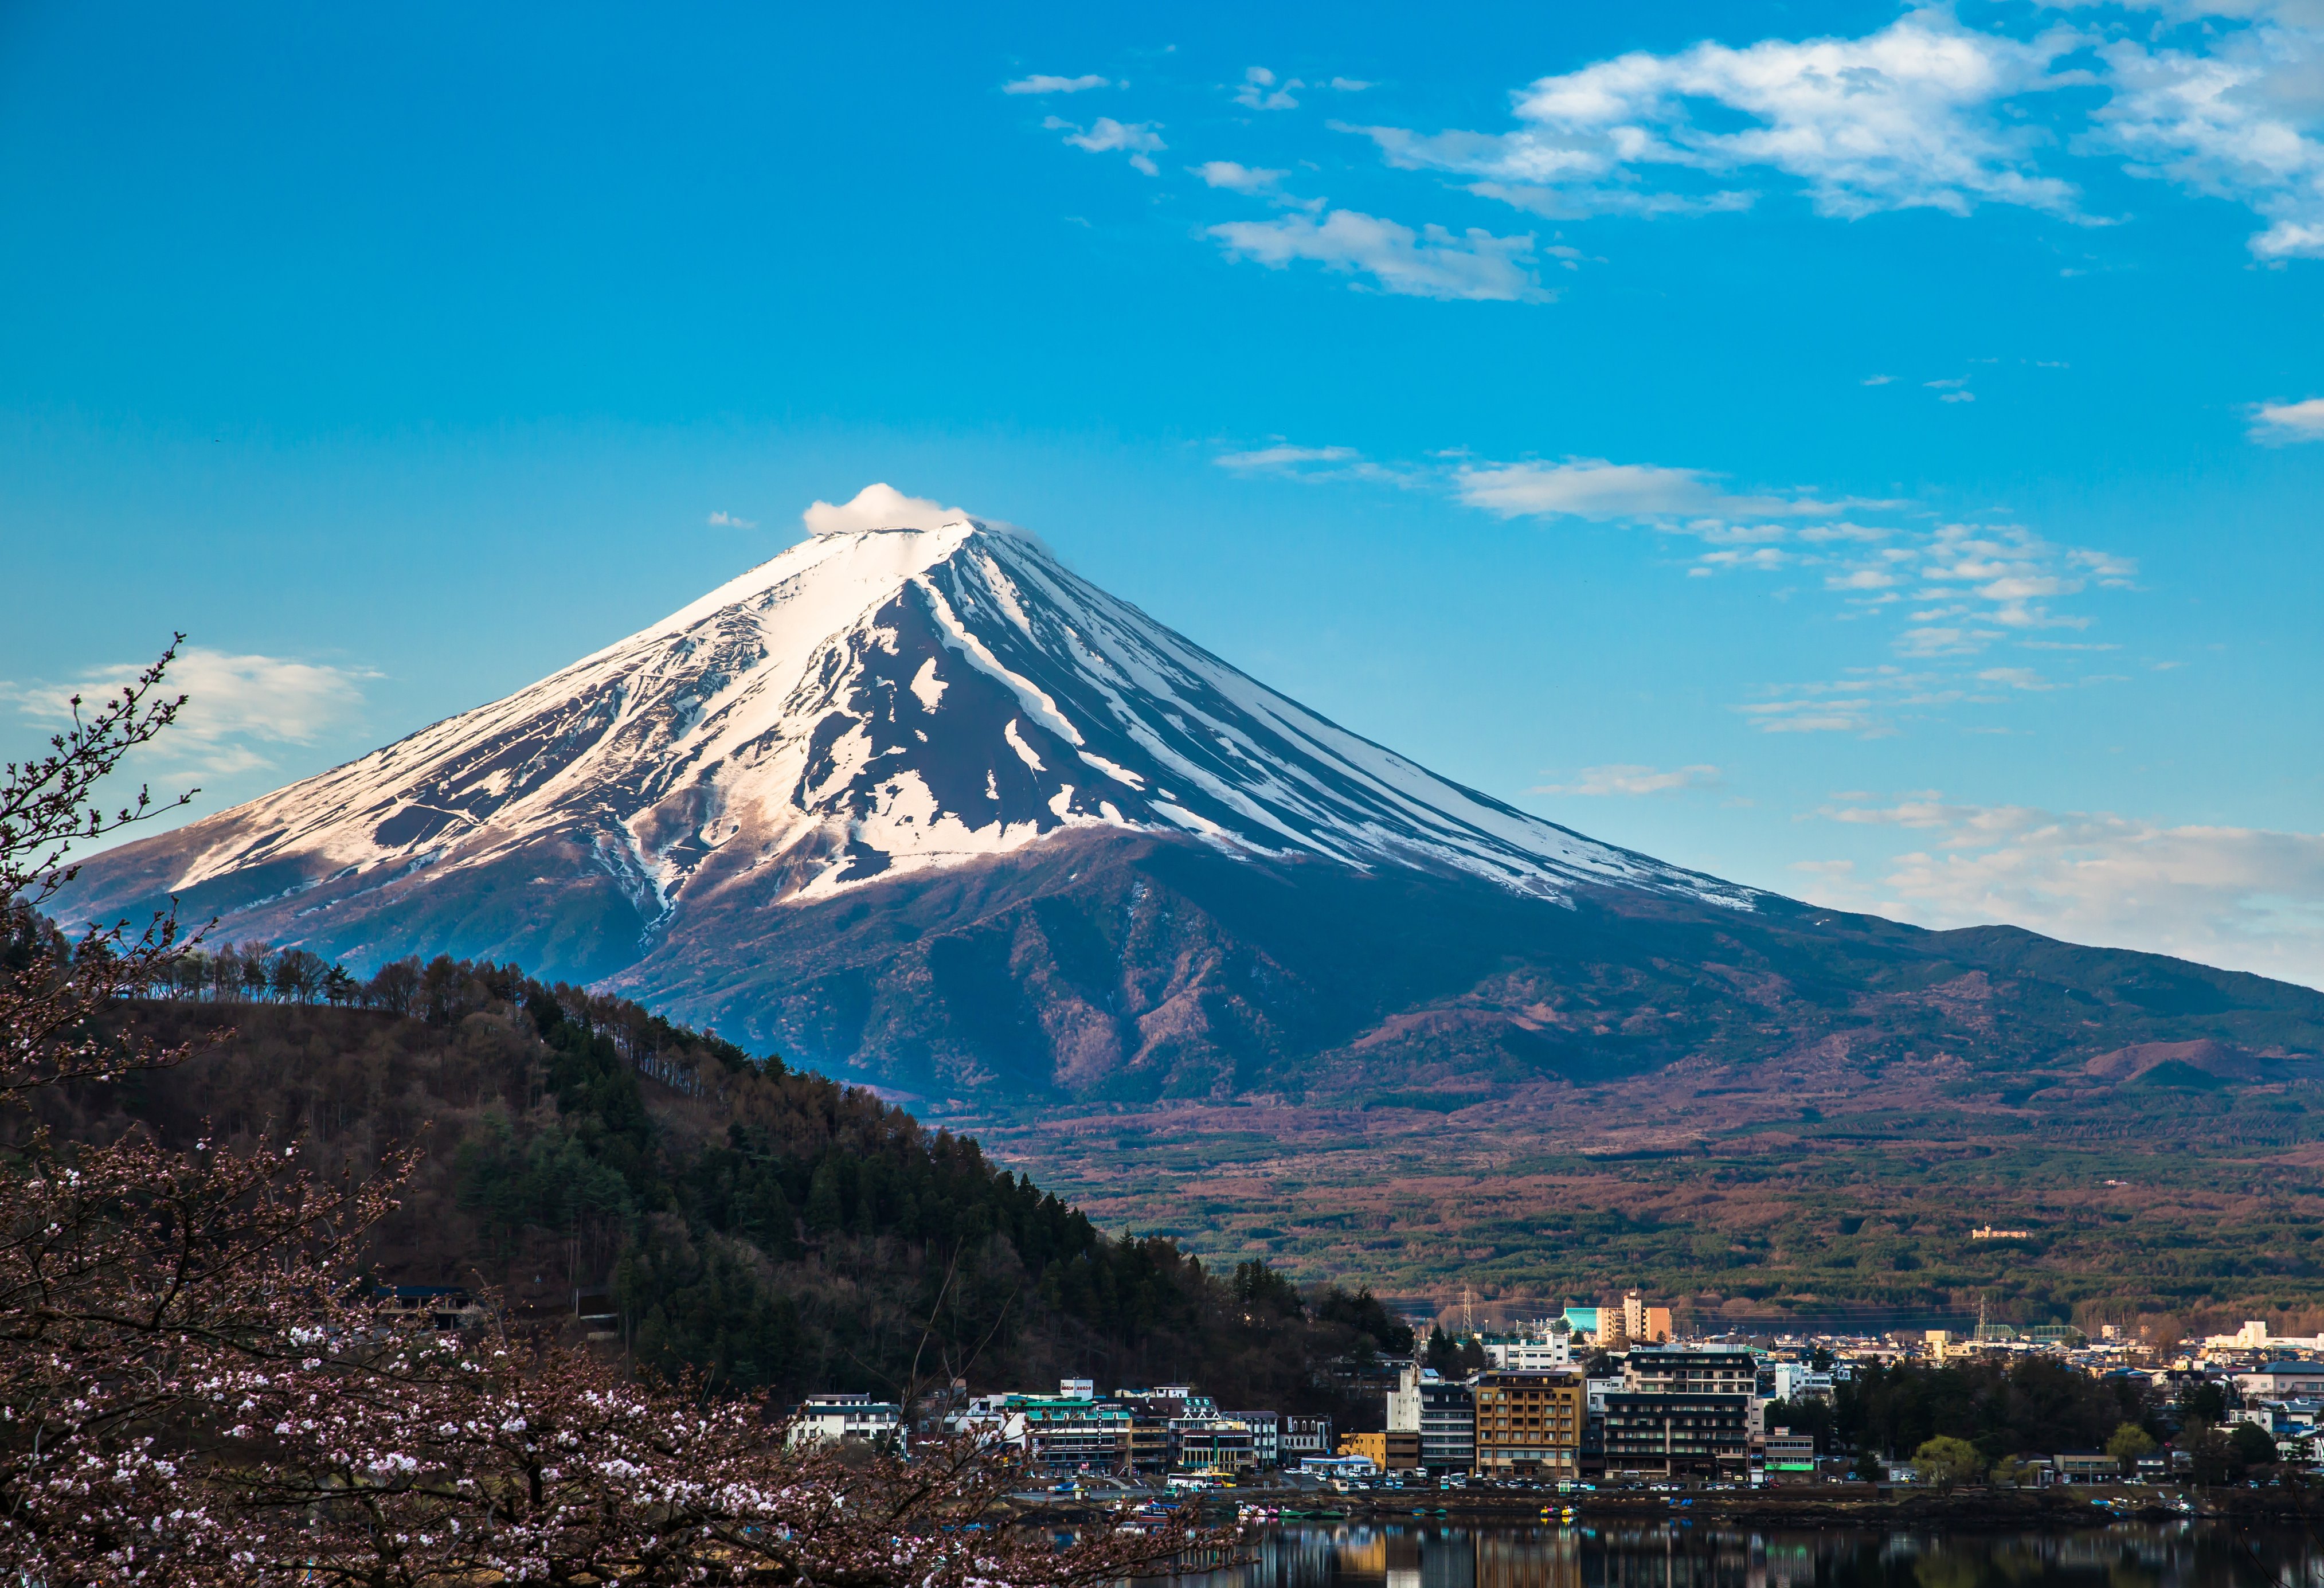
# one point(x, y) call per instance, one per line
point(1814, 716)
point(878, 507)
point(1138, 139)
point(2241, 898)
point(1594, 488)
point(231, 700)
point(2236, 118)
point(728, 521)
point(1283, 457)
point(1349, 85)
point(1876, 380)
point(1935, 640)
point(2015, 678)
point(1905, 117)
point(1599, 780)
point(1431, 264)
point(1260, 91)
point(1040, 83)
point(1237, 178)
point(2279, 422)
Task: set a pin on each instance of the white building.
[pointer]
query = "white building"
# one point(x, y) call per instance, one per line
point(839, 1418)
point(2282, 1380)
point(1794, 1380)
point(1544, 1347)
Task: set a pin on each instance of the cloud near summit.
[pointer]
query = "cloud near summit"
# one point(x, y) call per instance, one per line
point(878, 506)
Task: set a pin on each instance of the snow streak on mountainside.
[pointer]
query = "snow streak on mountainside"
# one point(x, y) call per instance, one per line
point(871, 704)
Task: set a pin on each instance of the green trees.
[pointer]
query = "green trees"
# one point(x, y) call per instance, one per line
point(769, 1228)
point(2127, 1444)
point(1949, 1463)
point(2035, 1404)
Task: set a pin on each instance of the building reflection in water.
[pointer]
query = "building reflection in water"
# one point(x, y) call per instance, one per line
point(2128, 1556)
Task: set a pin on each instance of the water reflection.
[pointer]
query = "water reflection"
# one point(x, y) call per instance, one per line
point(1681, 1556)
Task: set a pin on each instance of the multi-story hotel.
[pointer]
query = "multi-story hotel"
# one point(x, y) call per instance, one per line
point(1529, 1425)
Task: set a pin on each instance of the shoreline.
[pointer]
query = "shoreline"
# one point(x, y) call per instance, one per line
point(2073, 1506)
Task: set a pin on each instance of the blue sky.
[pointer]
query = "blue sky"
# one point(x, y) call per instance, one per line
point(1867, 452)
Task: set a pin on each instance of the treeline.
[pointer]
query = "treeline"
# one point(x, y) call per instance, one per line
point(764, 1226)
point(2036, 1405)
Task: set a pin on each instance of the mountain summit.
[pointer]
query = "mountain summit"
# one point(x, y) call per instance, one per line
point(922, 805)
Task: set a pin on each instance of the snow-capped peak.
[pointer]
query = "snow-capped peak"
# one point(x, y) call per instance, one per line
point(881, 699)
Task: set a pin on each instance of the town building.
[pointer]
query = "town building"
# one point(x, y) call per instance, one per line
point(2086, 1466)
point(1701, 1371)
point(2279, 1380)
point(842, 1418)
point(1448, 1427)
point(1151, 1413)
point(1211, 1444)
point(1397, 1452)
point(1266, 1434)
point(1057, 1433)
point(1528, 1425)
point(1674, 1432)
point(435, 1307)
point(1303, 1436)
point(1793, 1381)
point(1782, 1456)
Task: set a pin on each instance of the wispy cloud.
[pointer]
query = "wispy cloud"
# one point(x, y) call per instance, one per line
point(1432, 262)
point(1236, 178)
point(1596, 488)
point(728, 521)
point(1040, 83)
point(2243, 898)
point(1905, 117)
point(1926, 112)
point(2276, 424)
point(1816, 717)
point(234, 704)
point(1106, 135)
point(1602, 781)
point(1284, 457)
point(1260, 90)
point(2232, 111)
point(1319, 466)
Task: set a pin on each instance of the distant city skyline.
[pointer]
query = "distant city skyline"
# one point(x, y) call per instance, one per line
point(1873, 454)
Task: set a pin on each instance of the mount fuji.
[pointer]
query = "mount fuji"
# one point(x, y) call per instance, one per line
point(922, 806)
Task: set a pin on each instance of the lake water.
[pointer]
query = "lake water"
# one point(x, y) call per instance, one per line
point(2189, 1555)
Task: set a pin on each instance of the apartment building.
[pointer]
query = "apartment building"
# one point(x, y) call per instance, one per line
point(1448, 1427)
point(1673, 1433)
point(1668, 1370)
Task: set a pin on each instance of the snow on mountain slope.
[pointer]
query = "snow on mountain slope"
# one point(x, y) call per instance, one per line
point(871, 704)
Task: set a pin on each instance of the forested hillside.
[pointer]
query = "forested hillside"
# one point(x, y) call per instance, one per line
point(766, 1226)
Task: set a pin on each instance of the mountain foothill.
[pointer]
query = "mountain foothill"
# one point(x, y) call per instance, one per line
point(924, 811)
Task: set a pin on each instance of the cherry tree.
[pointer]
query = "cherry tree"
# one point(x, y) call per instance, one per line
point(194, 1386)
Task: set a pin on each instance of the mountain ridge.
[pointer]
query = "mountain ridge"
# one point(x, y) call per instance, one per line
point(924, 808)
